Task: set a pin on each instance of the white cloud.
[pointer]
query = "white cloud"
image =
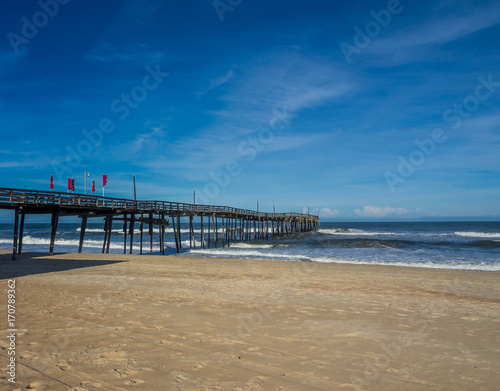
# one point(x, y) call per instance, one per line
point(405, 44)
point(217, 82)
point(144, 144)
point(377, 211)
point(327, 212)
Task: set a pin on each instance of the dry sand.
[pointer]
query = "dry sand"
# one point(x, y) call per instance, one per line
point(118, 322)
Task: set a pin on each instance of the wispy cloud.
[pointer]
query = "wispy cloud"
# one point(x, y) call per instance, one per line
point(109, 52)
point(405, 45)
point(143, 145)
point(377, 211)
point(285, 82)
point(217, 82)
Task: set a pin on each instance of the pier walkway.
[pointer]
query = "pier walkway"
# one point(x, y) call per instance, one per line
point(225, 225)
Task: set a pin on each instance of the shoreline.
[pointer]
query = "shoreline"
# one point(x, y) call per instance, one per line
point(131, 322)
point(423, 266)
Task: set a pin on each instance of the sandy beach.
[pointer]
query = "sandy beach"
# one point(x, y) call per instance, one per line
point(120, 322)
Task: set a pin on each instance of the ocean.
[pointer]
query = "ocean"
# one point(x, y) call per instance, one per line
point(442, 245)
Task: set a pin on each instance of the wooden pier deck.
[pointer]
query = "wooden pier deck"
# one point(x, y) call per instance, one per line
point(225, 225)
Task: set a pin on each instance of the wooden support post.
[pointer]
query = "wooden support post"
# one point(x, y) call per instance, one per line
point(190, 233)
point(202, 236)
point(225, 227)
point(55, 220)
point(141, 228)
point(82, 233)
point(16, 232)
point(175, 235)
point(131, 232)
point(110, 228)
point(105, 234)
point(151, 233)
point(160, 238)
point(21, 233)
point(125, 233)
point(179, 231)
point(163, 234)
point(209, 231)
point(223, 234)
point(192, 239)
point(216, 233)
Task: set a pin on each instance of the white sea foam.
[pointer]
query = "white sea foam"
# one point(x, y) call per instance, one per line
point(30, 241)
point(249, 245)
point(71, 245)
point(248, 254)
point(426, 265)
point(353, 232)
point(479, 235)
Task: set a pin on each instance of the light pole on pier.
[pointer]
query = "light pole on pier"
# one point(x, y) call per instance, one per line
point(135, 194)
point(86, 175)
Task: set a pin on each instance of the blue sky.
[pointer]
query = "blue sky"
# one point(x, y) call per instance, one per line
point(361, 110)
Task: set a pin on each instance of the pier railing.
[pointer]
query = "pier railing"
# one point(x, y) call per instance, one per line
point(14, 198)
point(234, 221)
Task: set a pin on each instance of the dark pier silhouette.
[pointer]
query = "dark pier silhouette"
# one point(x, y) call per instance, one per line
point(224, 225)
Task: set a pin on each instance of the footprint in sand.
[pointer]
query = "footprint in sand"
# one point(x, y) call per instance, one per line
point(90, 385)
point(64, 366)
point(133, 382)
point(36, 385)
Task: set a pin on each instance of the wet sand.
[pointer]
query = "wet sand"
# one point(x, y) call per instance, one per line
point(120, 322)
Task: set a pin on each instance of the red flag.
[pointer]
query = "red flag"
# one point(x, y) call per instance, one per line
point(93, 187)
point(51, 182)
point(104, 180)
point(70, 184)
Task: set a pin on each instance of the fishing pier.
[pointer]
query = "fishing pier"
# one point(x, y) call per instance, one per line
point(219, 225)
